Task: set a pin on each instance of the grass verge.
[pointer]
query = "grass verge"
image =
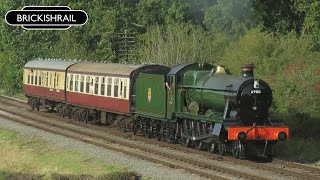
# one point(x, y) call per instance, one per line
point(20, 96)
point(32, 158)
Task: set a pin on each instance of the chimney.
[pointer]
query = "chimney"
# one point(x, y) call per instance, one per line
point(247, 70)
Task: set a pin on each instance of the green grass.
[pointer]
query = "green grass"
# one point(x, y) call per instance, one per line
point(23, 156)
point(14, 95)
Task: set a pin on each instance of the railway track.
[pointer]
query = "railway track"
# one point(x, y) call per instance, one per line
point(202, 168)
point(309, 169)
point(132, 149)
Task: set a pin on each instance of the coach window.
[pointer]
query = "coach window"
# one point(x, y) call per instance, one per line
point(81, 83)
point(87, 84)
point(57, 80)
point(102, 86)
point(116, 87)
point(125, 86)
point(40, 78)
point(67, 84)
point(71, 82)
point(76, 83)
point(54, 80)
point(28, 79)
point(36, 76)
point(109, 86)
point(96, 85)
point(31, 77)
point(44, 78)
point(47, 76)
point(50, 79)
point(121, 88)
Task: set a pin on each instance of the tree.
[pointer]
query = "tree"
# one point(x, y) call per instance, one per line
point(310, 11)
point(230, 16)
point(277, 15)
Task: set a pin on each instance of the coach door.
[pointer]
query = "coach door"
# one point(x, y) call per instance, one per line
point(42, 81)
point(50, 85)
point(92, 85)
point(170, 96)
point(121, 91)
point(57, 84)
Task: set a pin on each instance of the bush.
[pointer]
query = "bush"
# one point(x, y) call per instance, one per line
point(10, 73)
point(303, 150)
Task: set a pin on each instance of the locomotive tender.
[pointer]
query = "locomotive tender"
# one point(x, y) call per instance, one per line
point(198, 105)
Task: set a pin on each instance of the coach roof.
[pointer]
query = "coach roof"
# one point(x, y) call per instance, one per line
point(49, 64)
point(103, 68)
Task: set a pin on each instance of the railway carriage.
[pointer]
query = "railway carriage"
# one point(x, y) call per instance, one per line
point(100, 86)
point(44, 82)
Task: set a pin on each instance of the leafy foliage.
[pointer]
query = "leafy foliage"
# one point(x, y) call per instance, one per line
point(277, 15)
point(179, 44)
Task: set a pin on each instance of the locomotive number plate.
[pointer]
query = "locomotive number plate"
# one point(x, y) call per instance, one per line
point(258, 91)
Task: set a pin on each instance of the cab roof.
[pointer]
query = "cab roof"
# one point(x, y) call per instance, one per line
point(181, 68)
